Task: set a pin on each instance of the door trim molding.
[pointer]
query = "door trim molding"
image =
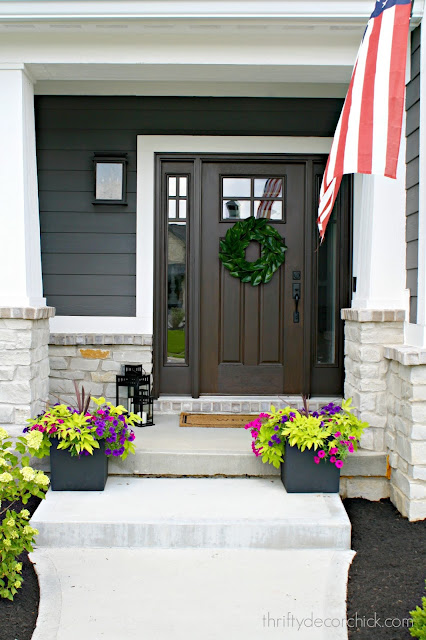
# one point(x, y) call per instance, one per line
point(147, 148)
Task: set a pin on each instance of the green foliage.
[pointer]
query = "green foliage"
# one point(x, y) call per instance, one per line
point(176, 343)
point(18, 482)
point(334, 432)
point(78, 433)
point(235, 243)
point(418, 616)
point(177, 316)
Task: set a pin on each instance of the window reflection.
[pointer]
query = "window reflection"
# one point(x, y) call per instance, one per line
point(236, 187)
point(176, 292)
point(236, 209)
point(327, 285)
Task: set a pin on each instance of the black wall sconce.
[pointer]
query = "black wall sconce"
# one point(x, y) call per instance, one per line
point(110, 179)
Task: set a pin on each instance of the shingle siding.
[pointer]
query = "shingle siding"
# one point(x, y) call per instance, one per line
point(412, 184)
point(89, 251)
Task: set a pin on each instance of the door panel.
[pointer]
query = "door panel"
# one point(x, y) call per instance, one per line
point(248, 337)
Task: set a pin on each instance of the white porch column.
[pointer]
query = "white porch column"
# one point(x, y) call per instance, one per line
point(379, 241)
point(20, 259)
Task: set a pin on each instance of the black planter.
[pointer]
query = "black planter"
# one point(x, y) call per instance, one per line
point(78, 473)
point(300, 474)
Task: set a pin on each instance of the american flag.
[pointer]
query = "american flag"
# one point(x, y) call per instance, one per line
point(368, 134)
point(272, 189)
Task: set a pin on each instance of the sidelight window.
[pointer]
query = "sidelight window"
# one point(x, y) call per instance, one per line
point(177, 214)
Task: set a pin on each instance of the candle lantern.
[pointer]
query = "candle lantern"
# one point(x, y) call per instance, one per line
point(133, 391)
point(144, 407)
point(126, 387)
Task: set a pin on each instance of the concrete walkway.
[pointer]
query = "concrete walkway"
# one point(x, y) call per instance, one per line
point(186, 594)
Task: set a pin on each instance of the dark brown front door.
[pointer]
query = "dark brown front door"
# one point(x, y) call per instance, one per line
point(215, 335)
point(249, 342)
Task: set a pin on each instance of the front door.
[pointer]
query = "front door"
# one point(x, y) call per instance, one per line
point(214, 334)
point(250, 343)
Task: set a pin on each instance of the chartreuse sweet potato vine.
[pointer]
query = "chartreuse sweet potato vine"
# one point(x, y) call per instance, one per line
point(18, 482)
point(332, 433)
point(79, 430)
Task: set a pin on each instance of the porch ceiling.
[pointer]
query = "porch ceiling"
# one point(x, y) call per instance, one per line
point(192, 73)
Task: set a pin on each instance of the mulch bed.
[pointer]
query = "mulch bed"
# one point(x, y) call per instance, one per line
point(18, 617)
point(387, 576)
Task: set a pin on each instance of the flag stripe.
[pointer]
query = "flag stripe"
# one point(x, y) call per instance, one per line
point(368, 134)
point(381, 93)
point(397, 77)
point(365, 130)
point(351, 155)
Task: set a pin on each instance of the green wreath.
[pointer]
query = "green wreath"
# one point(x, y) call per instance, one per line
point(235, 243)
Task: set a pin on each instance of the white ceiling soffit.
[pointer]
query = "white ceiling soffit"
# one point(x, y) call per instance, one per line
point(309, 10)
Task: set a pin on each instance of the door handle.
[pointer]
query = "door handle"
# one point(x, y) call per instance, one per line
point(296, 298)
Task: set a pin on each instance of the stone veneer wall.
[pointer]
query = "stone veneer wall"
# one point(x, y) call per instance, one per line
point(24, 364)
point(406, 430)
point(367, 332)
point(93, 361)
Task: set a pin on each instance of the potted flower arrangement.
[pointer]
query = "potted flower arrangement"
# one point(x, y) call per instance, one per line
point(310, 447)
point(80, 441)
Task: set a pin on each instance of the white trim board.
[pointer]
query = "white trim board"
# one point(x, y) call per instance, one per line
point(147, 146)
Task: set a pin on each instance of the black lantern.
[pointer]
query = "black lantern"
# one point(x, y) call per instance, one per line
point(126, 387)
point(143, 406)
point(133, 391)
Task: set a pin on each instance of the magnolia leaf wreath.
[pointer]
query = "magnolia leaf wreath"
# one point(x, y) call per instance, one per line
point(235, 243)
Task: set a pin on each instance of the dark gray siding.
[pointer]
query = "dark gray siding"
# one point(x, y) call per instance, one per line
point(412, 159)
point(89, 251)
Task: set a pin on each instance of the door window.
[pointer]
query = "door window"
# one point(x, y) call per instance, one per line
point(251, 196)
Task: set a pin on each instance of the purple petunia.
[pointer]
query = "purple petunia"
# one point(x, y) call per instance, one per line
point(108, 452)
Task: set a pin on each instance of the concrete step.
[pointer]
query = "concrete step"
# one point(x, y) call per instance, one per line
point(188, 512)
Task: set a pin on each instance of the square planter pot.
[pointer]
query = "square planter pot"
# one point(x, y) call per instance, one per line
point(300, 474)
point(75, 473)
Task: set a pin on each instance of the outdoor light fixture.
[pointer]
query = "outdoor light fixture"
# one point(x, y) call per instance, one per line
point(110, 179)
point(133, 391)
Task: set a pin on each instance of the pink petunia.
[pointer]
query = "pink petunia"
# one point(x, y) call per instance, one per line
point(316, 460)
point(334, 450)
point(339, 464)
point(352, 438)
point(337, 434)
point(332, 459)
point(321, 454)
point(351, 448)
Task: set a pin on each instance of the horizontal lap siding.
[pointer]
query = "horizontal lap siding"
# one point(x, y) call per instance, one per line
point(89, 251)
point(412, 180)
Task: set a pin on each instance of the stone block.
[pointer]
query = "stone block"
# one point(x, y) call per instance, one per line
point(15, 392)
point(373, 419)
point(373, 489)
point(110, 389)
point(12, 357)
point(372, 385)
point(418, 432)
point(133, 357)
point(70, 375)
point(206, 407)
point(63, 352)
point(236, 407)
point(81, 364)
point(6, 414)
point(414, 490)
point(58, 363)
point(367, 440)
point(95, 354)
point(418, 472)
point(61, 386)
point(7, 373)
point(24, 413)
point(111, 365)
point(103, 376)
